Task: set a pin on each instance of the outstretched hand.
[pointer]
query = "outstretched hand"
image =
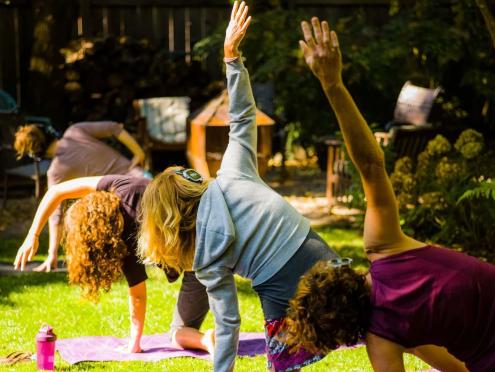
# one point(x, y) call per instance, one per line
point(48, 265)
point(239, 22)
point(26, 252)
point(322, 53)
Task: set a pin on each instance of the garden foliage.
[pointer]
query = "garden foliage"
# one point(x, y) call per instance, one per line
point(447, 195)
point(102, 76)
point(271, 50)
point(431, 43)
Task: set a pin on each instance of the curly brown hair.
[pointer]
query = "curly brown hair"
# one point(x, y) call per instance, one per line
point(29, 140)
point(331, 308)
point(92, 240)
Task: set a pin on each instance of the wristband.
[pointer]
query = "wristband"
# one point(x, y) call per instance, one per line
point(230, 59)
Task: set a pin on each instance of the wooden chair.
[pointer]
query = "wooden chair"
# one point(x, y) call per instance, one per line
point(161, 124)
point(338, 176)
point(409, 135)
point(410, 131)
point(36, 171)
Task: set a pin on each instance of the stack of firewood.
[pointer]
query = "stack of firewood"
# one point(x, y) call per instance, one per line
point(103, 76)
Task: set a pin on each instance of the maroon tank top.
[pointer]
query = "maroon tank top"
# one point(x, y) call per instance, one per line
point(434, 295)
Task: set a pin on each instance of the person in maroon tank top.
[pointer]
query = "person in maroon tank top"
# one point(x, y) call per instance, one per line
point(100, 230)
point(430, 301)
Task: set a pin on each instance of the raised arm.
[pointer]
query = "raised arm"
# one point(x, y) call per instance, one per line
point(382, 230)
point(55, 195)
point(128, 141)
point(223, 301)
point(240, 156)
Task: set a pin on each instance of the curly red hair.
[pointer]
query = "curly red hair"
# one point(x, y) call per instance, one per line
point(93, 244)
point(331, 308)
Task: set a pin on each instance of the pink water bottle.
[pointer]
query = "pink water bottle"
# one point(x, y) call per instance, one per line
point(45, 348)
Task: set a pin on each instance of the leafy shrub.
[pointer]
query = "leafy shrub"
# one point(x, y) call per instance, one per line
point(440, 198)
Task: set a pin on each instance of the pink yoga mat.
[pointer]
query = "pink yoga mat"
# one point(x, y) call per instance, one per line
point(155, 347)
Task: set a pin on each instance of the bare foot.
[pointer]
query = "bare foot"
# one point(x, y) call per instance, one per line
point(208, 341)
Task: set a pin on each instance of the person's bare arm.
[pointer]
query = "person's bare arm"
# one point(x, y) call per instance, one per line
point(322, 54)
point(439, 358)
point(137, 311)
point(54, 229)
point(128, 141)
point(384, 355)
point(55, 195)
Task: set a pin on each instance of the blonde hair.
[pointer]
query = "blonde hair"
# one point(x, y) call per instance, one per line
point(168, 220)
point(92, 240)
point(29, 140)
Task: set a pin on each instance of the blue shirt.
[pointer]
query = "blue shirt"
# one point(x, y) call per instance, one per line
point(243, 226)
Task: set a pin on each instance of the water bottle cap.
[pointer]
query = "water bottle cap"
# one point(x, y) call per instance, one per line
point(46, 334)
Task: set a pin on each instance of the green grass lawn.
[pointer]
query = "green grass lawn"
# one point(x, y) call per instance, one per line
point(28, 300)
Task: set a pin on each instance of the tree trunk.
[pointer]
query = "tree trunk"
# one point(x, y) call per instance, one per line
point(488, 17)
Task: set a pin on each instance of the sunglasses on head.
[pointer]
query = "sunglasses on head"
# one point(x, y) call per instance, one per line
point(190, 175)
point(339, 262)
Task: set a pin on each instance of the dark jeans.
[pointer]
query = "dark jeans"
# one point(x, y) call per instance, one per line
point(276, 292)
point(192, 304)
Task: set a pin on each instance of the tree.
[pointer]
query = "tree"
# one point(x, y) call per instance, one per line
point(488, 17)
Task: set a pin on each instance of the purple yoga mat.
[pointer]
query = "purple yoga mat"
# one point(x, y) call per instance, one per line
point(155, 347)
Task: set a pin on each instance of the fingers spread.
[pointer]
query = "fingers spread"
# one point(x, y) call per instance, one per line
point(234, 10)
point(23, 261)
point(326, 32)
point(243, 16)
point(317, 29)
point(246, 24)
point(239, 11)
point(17, 259)
point(304, 47)
point(307, 34)
point(335, 40)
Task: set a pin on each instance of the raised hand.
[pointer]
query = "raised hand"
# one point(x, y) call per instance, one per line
point(26, 251)
point(322, 53)
point(239, 22)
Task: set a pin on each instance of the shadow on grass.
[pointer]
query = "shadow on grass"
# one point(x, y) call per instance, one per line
point(84, 366)
point(23, 282)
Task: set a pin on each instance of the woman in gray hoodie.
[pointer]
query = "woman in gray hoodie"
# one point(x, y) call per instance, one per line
point(234, 224)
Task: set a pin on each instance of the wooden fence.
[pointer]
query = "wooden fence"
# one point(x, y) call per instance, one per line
point(11, 53)
point(174, 24)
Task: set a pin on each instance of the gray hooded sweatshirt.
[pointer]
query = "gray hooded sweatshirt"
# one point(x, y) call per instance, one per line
point(243, 226)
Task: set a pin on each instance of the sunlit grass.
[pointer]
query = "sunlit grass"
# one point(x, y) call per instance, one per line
point(29, 300)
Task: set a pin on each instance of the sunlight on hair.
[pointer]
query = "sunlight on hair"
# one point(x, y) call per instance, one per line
point(168, 220)
point(92, 240)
